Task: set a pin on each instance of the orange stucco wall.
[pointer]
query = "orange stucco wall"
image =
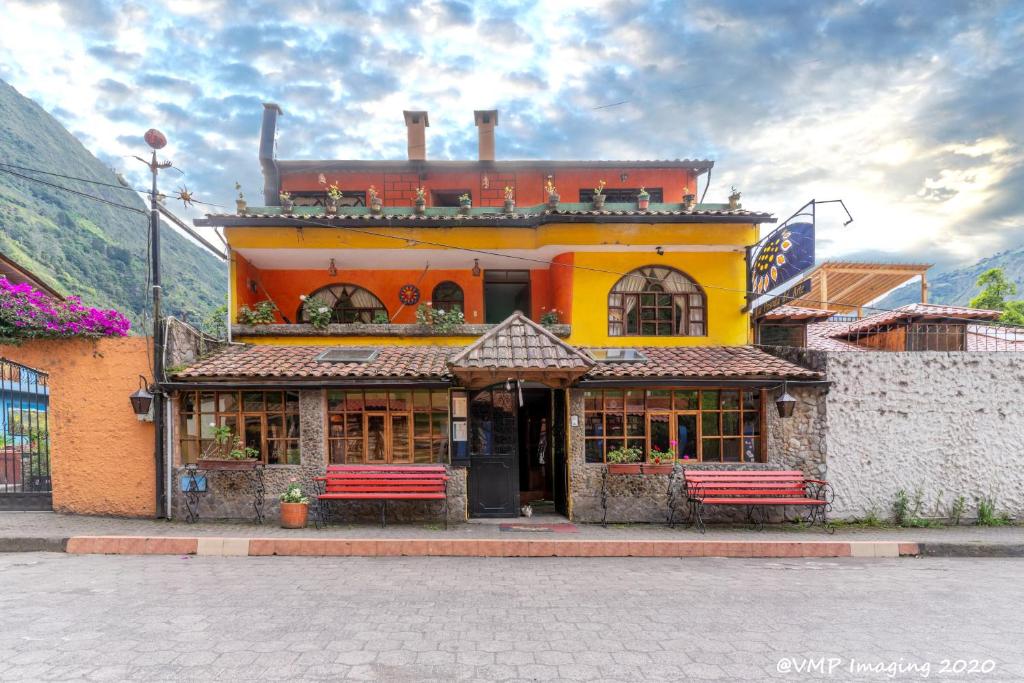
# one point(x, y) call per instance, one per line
point(486, 186)
point(101, 457)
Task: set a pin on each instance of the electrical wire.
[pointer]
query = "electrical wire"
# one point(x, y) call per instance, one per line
point(68, 189)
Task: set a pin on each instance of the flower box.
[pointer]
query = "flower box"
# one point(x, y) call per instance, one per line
point(624, 468)
point(230, 464)
point(660, 468)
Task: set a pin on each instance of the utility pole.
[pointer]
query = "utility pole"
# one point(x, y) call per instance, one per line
point(156, 140)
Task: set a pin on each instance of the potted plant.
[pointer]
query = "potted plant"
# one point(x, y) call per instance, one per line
point(510, 199)
point(689, 201)
point(261, 313)
point(240, 203)
point(624, 461)
point(549, 187)
point(660, 462)
point(643, 199)
point(375, 201)
point(380, 318)
point(317, 311)
point(550, 318)
point(227, 452)
point(286, 202)
point(465, 204)
point(599, 196)
point(294, 506)
point(421, 201)
point(734, 199)
point(334, 195)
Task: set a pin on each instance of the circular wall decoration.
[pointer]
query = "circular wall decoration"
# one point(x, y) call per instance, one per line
point(409, 295)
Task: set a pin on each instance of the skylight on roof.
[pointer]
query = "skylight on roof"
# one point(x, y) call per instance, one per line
point(617, 355)
point(348, 355)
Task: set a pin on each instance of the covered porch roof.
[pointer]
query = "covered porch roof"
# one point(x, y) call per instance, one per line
point(844, 286)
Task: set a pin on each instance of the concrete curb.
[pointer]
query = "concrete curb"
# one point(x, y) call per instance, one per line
point(33, 545)
point(342, 547)
point(971, 549)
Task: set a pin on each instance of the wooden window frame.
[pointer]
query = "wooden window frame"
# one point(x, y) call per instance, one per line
point(288, 413)
point(363, 314)
point(439, 304)
point(679, 300)
point(801, 326)
point(436, 441)
point(622, 195)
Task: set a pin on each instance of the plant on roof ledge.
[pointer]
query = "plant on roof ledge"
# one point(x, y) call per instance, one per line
point(643, 199)
point(550, 318)
point(465, 203)
point(510, 199)
point(240, 203)
point(599, 195)
point(375, 202)
point(286, 202)
point(316, 311)
point(334, 195)
point(734, 199)
point(689, 200)
point(421, 200)
point(261, 313)
point(549, 187)
point(439, 320)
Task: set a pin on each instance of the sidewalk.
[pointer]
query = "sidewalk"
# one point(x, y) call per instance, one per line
point(26, 531)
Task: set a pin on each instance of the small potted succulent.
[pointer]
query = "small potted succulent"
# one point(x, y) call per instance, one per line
point(689, 201)
point(599, 196)
point(286, 202)
point(294, 506)
point(227, 452)
point(375, 201)
point(510, 199)
point(421, 201)
point(660, 462)
point(624, 460)
point(643, 199)
point(552, 192)
point(240, 203)
point(334, 195)
point(734, 199)
point(465, 204)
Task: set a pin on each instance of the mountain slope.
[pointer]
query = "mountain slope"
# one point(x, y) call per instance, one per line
point(957, 287)
point(82, 246)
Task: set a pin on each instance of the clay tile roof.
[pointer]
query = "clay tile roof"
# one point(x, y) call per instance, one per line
point(821, 336)
point(797, 313)
point(921, 312)
point(259, 361)
point(703, 362)
point(521, 344)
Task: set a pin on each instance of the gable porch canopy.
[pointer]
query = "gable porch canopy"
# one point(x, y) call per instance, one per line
point(519, 349)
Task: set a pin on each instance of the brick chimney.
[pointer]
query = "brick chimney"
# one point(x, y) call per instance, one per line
point(271, 175)
point(416, 123)
point(486, 120)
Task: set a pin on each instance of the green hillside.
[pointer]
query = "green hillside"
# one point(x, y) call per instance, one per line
point(957, 287)
point(81, 246)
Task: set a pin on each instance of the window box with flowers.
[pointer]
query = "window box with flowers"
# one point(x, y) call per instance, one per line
point(660, 462)
point(227, 452)
point(624, 460)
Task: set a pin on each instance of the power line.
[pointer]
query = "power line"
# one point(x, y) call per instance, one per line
point(68, 189)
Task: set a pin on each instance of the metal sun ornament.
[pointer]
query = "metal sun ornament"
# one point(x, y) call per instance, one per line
point(185, 195)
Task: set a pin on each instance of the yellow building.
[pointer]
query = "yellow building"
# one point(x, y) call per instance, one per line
point(522, 322)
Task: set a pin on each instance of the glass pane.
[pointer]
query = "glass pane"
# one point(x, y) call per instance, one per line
point(439, 400)
point(421, 400)
point(613, 423)
point(335, 401)
point(613, 444)
point(635, 400)
point(207, 425)
point(207, 401)
point(712, 450)
point(594, 452)
point(421, 451)
point(661, 432)
point(751, 424)
point(291, 401)
point(696, 329)
point(709, 424)
point(354, 450)
point(440, 450)
point(648, 329)
point(638, 444)
point(686, 436)
point(294, 456)
point(275, 401)
point(229, 421)
point(730, 400)
point(730, 424)
point(276, 453)
point(592, 400)
point(291, 425)
point(613, 400)
point(751, 448)
point(659, 399)
point(376, 438)
point(353, 400)
point(751, 400)
point(336, 427)
point(709, 400)
point(275, 427)
point(593, 423)
point(686, 400)
point(376, 400)
point(400, 443)
point(336, 451)
point(188, 402)
point(190, 425)
point(730, 450)
point(252, 400)
point(253, 432)
point(439, 422)
point(421, 425)
point(636, 424)
point(665, 329)
point(400, 400)
point(227, 403)
point(354, 426)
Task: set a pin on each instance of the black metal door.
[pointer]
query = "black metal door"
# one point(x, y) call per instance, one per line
point(24, 438)
point(493, 454)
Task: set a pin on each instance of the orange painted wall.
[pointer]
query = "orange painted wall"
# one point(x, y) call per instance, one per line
point(101, 457)
point(561, 286)
point(486, 186)
point(285, 287)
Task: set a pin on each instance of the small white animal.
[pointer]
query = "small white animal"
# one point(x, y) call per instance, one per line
point(527, 511)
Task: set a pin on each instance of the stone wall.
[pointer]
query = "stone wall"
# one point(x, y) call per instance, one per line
point(229, 495)
point(944, 424)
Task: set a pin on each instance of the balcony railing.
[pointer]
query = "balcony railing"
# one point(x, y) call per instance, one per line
point(370, 330)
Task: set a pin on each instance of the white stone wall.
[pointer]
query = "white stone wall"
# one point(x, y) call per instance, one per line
point(948, 424)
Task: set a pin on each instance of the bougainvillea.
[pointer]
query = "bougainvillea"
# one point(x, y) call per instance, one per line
point(25, 312)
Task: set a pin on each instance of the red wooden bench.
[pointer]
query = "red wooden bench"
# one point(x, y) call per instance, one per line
point(381, 482)
point(757, 489)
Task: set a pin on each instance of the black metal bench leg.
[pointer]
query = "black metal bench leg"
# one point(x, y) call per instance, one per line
point(696, 513)
point(383, 514)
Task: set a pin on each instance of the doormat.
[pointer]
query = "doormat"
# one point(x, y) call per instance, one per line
point(564, 528)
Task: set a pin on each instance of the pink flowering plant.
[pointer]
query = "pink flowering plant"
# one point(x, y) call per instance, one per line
point(27, 313)
point(658, 457)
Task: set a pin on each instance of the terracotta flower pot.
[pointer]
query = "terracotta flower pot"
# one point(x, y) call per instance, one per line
point(642, 204)
point(294, 515)
point(662, 468)
point(599, 201)
point(624, 468)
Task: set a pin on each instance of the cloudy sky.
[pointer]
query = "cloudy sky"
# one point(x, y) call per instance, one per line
point(912, 112)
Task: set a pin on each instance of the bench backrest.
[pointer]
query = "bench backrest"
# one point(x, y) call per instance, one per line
point(385, 479)
point(747, 483)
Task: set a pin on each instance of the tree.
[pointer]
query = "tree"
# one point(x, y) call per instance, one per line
point(995, 290)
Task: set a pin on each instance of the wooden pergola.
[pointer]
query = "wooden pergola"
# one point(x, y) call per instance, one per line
point(846, 287)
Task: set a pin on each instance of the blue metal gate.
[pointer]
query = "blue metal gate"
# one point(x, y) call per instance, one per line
point(24, 438)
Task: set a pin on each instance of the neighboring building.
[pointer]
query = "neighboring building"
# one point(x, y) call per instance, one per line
point(646, 341)
point(19, 274)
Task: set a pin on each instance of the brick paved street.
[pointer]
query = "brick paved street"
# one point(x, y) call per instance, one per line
point(150, 618)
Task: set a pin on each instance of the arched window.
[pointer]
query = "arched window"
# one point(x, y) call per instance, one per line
point(447, 296)
point(349, 303)
point(657, 301)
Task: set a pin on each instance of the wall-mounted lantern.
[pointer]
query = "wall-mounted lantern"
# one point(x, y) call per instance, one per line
point(142, 401)
point(476, 267)
point(785, 403)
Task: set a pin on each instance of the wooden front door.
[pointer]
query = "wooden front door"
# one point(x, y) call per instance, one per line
point(493, 453)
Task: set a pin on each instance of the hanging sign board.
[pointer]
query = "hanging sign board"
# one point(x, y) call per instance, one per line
point(797, 291)
point(785, 254)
